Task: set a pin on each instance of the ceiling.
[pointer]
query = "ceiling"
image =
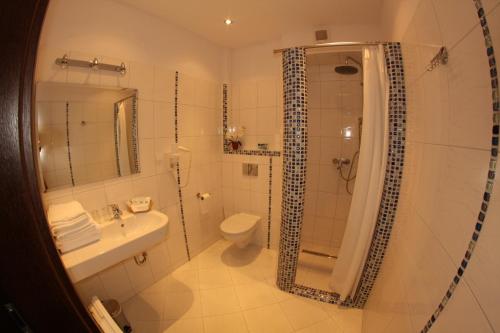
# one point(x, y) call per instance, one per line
point(258, 20)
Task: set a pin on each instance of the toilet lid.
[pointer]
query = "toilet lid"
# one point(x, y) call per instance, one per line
point(239, 223)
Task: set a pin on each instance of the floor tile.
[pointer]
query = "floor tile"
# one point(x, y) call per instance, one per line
point(302, 312)
point(219, 301)
point(267, 319)
point(194, 325)
point(182, 305)
point(322, 327)
point(350, 320)
point(147, 326)
point(231, 323)
point(254, 295)
point(144, 307)
point(214, 278)
point(235, 294)
point(182, 280)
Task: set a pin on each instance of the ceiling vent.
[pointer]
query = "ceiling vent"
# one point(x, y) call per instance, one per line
point(321, 35)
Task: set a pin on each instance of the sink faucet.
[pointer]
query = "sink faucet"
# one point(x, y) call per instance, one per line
point(117, 212)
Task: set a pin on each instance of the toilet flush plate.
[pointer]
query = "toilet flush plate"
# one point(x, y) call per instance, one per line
point(120, 240)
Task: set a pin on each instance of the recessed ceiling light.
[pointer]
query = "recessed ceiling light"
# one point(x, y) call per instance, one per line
point(228, 21)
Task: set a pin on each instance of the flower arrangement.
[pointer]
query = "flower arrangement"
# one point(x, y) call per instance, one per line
point(234, 136)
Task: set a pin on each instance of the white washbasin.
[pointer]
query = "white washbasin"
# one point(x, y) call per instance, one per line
point(120, 240)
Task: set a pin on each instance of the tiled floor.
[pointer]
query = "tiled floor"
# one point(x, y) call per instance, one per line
point(315, 271)
point(225, 289)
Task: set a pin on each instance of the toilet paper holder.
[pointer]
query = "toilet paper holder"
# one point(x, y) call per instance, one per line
point(203, 196)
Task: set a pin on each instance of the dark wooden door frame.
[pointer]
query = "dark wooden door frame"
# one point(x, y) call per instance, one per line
point(32, 275)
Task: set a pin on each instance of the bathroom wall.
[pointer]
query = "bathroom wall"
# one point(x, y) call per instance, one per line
point(335, 103)
point(152, 51)
point(256, 75)
point(257, 105)
point(446, 165)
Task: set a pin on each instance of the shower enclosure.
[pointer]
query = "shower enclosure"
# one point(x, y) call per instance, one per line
point(335, 109)
point(340, 179)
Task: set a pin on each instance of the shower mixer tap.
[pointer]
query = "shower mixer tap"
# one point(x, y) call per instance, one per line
point(339, 162)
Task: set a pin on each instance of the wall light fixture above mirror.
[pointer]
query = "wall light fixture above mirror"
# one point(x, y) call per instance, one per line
point(85, 133)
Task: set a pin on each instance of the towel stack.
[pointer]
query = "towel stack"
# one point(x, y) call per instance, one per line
point(71, 226)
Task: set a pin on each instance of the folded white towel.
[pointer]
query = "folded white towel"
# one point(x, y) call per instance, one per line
point(61, 213)
point(75, 234)
point(69, 245)
point(61, 228)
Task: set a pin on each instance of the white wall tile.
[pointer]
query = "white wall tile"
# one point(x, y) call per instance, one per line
point(449, 132)
point(142, 78)
point(140, 276)
point(146, 119)
point(266, 93)
point(164, 85)
point(116, 283)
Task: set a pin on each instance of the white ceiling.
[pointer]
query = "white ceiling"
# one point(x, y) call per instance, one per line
point(258, 20)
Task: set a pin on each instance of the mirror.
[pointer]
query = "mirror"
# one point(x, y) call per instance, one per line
point(85, 134)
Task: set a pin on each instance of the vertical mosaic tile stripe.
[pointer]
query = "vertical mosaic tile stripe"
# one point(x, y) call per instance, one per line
point(294, 164)
point(177, 166)
point(135, 135)
point(457, 278)
point(68, 146)
point(393, 173)
point(117, 145)
point(270, 197)
point(226, 148)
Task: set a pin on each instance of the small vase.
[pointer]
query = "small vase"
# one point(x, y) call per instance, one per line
point(235, 145)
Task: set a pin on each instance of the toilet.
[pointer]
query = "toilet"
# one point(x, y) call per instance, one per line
point(239, 228)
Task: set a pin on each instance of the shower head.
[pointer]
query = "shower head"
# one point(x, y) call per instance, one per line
point(346, 70)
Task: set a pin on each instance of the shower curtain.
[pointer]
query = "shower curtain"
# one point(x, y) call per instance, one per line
point(122, 141)
point(370, 175)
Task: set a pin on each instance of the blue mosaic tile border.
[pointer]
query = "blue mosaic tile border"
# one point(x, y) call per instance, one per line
point(294, 164)
point(69, 146)
point(294, 169)
point(226, 148)
point(135, 135)
point(269, 208)
point(117, 145)
point(271, 153)
point(177, 166)
point(491, 172)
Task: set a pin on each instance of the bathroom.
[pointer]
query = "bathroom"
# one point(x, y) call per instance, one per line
point(250, 166)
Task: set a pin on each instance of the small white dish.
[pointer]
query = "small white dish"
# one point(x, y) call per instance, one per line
point(139, 204)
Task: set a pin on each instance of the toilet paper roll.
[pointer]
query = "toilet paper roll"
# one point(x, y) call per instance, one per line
point(204, 196)
point(204, 205)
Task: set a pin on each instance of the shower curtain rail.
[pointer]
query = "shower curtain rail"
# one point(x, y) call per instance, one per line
point(322, 45)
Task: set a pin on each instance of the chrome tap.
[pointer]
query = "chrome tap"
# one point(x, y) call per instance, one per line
point(116, 211)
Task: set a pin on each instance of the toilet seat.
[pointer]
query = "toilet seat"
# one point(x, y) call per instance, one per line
point(239, 223)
